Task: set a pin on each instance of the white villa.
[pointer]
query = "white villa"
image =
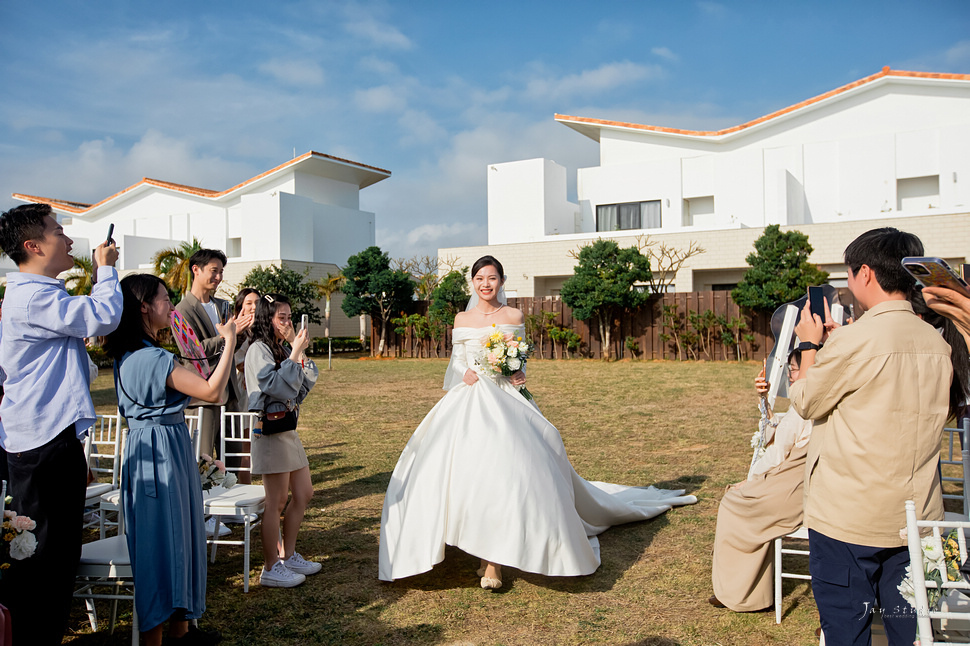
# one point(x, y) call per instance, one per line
point(303, 214)
point(892, 149)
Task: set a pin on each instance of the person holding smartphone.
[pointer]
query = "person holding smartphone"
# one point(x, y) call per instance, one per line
point(951, 304)
point(279, 376)
point(203, 311)
point(878, 396)
point(47, 409)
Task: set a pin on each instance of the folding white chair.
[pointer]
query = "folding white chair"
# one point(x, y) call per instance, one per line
point(800, 534)
point(105, 573)
point(235, 440)
point(955, 614)
point(102, 452)
point(247, 501)
point(948, 458)
point(194, 423)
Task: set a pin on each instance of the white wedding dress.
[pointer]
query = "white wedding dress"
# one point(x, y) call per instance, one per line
point(487, 473)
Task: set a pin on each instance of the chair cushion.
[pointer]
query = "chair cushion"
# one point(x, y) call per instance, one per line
point(97, 489)
point(107, 551)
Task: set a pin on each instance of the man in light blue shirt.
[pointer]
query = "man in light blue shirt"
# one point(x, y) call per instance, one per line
point(47, 408)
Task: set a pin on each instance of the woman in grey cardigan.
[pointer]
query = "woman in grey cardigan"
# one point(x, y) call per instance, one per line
point(278, 378)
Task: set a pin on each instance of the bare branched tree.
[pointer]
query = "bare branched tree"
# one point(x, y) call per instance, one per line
point(665, 261)
point(427, 272)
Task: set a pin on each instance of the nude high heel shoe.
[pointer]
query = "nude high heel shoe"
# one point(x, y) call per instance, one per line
point(488, 583)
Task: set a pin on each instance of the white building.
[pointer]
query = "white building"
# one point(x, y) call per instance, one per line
point(892, 149)
point(304, 215)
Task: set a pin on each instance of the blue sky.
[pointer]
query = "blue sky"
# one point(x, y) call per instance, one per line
point(96, 95)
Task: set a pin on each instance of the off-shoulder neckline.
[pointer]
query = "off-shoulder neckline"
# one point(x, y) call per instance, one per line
point(486, 327)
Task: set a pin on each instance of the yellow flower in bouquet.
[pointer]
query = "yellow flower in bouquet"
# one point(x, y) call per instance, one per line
point(504, 355)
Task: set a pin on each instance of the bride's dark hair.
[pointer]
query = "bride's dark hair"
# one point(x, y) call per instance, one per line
point(488, 261)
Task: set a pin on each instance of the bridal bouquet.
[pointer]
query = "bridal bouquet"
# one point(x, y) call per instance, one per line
point(18, 541)
point(943, 556)
point(214, 474)
point(505, 354)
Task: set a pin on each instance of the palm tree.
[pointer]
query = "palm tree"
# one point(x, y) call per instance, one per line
point(327, 287)
point(172, 265)
point(81, 278)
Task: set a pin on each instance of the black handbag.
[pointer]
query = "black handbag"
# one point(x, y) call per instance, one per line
point(279, 421)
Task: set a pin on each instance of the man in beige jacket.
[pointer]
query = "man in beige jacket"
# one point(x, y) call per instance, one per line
point(877, 393)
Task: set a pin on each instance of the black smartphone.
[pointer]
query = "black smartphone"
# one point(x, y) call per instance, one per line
point(935, 272)
point(816, 301)
point(111, 230)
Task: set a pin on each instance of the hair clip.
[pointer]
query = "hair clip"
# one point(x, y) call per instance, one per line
point(269, 299)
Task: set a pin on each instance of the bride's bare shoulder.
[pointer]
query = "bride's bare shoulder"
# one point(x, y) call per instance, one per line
point(512, 316)
point(461, 319)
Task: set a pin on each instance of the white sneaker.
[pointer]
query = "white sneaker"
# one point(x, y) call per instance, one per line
point(280, 576)
point(297, 563)
point(210, 528)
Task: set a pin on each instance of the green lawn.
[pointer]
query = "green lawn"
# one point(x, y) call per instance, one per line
point(684, 425)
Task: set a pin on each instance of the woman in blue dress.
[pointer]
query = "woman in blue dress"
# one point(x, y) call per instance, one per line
point(161, 490)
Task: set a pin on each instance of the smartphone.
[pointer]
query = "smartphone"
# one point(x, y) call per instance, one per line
point(936, 273)
point(304, 322)
point(111, 230)
point(816, 301)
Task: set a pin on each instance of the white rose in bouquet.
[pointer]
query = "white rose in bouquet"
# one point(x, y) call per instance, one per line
point(23, 546)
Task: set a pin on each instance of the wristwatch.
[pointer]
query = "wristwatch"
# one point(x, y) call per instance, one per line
point(808, 345)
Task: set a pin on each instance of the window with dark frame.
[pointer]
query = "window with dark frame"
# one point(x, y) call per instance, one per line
point(627, 216)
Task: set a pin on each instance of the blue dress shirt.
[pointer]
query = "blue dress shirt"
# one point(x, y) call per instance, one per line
point(47, 384)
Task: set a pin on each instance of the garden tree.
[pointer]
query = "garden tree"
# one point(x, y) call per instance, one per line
point(603, 284)
point(779, 271)
point(80, 280)
point(326, 288)
point(426, 271)
point(450, 296)
point(172, 265)
point(292, 284)
point(375, 289)
point(665, 261)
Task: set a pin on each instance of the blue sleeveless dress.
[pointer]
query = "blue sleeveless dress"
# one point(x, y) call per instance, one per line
point(161, 492)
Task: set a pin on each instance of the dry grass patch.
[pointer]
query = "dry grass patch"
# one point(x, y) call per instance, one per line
point(676, 425)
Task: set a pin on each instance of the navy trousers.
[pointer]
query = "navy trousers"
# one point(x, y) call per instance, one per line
point(47, 484)
point(853, 582)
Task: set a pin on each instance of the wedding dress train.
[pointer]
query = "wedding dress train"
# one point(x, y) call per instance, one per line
point(487, 473)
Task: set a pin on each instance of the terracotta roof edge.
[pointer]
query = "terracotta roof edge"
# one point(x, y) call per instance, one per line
point(885, 72)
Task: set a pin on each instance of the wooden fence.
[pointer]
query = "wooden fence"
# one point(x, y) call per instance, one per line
point(645, 325)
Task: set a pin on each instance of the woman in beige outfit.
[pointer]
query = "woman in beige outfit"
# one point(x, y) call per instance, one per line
point(758, 510)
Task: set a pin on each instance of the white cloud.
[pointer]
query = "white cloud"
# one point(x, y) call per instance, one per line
point(378, 33)
point(437, 233)
point(99, 168)
point(294, 72)
point(443, 201)
point(593, 81)
point(377, 65)
point(665, 53)
point(957, 57)
point(712, 9)
point(420, 128)
point(382, 98)
point(953, 59)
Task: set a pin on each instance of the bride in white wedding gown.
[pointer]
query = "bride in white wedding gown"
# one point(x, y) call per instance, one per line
point(487, 473)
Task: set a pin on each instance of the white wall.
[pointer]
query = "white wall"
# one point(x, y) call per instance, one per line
point(326, 191)
point(516, 201)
